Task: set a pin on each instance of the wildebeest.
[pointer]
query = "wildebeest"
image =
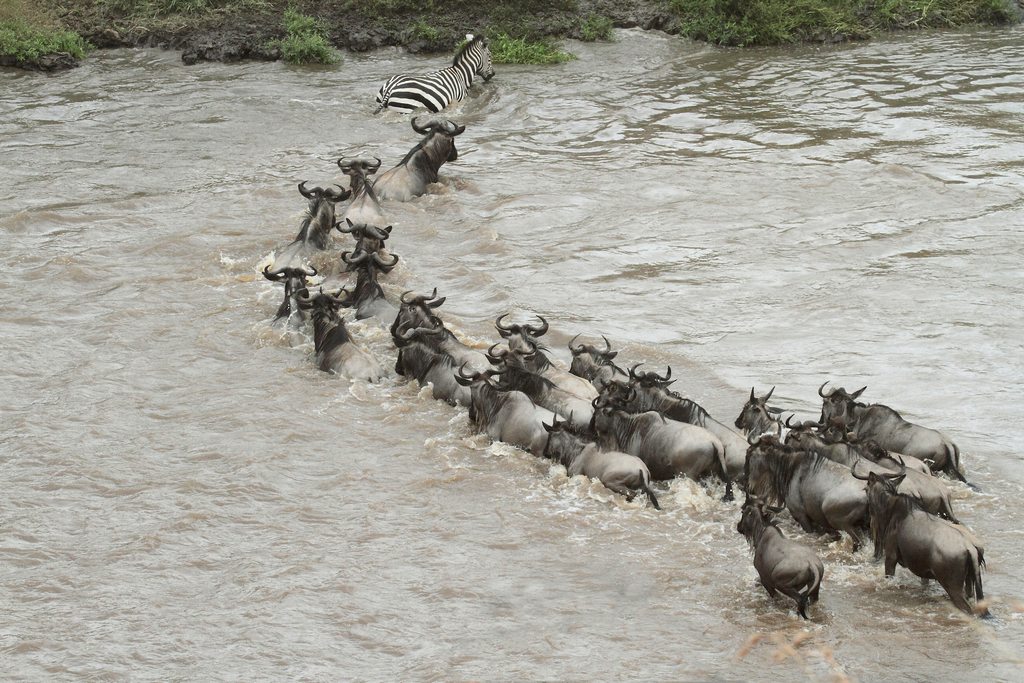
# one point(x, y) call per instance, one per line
point(757, 417)
point(335, 350)
point(365, 207)
point(835, 432)
point(650, 392)
point(596, 365)
point(669, 448)
point(547, 394)
point(438, 89)
point(415, 310)
point(369, 238)
point(888, 429)
point(528, 353)
point(418, 359)
point(930, 547)
point(418, 312)
point(315, 231)
point(507, 416)
point(620, 472)
point(419, 168)
point(822, 495)
point(783, 565)
point(934, 495)
point(295, 284)
point(368, 298)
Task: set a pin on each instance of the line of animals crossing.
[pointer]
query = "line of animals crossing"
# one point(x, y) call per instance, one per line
point(860, 470)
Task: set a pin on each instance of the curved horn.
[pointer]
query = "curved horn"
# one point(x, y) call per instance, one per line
point(792, 426)
point(502, 330)
point(632, 372)
point(457, 130)
point(341, 195)
point(538, 331)
point(494, 356)
point(305, 299)
point(382, 263)
point(373, 169)
point(308, 270)
point(308, 194)
point(354, 260)
point(822, 387)
point(463, 375)
point(432, 331)
point(768, 395)
point(578, 349)
point(853, 471)
point(275, 276)
point(422, 130)
point(351, 226)
point(607, 344)
point(752, 399)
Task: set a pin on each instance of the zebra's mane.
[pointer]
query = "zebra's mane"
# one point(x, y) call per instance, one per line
point(461, 53)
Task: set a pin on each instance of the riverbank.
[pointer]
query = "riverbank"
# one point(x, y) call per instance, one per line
point(235, 30)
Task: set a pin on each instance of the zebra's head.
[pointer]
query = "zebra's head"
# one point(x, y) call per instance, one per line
point(477, 55)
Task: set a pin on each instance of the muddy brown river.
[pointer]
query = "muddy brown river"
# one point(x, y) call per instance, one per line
point(185, 497)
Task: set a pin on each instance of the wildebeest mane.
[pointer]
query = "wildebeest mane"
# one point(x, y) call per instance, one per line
point(328, 330)
point(424, 359)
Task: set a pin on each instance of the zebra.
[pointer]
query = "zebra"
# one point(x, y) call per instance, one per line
point(437, 90)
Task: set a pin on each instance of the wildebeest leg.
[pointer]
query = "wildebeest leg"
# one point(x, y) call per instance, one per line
point(955, 591)
point(771, 591)
point(651, 496)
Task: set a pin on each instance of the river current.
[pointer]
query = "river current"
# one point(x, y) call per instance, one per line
point(187, 498)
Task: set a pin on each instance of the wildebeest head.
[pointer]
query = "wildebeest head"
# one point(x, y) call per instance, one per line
point(767, 467)
point(838, 403)
point(882, 489)
point(318, 194)
point(295, 283)
point(522, 339)
point(357, 169)
point(416, 310)
point(562, 445)
point(368, 237)
point(756, 415)
point(438, 143)
point(372, 261)
point(802, 434)
point(431, 329)
point(755, 517)
point(468, 379)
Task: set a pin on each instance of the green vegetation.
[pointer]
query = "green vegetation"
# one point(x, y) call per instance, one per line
point(773, 22)
point(25, 42)
point(424, 31)
point(162, 8)
point(596, 27)
point(306, 40)
point(508, 50)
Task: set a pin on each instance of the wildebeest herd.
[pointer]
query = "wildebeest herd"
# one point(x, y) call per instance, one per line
point(860, 469)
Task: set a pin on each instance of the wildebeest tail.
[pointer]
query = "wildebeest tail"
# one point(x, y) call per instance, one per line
point(647, 489)
point(723, 471)
point(974, 562)
point(953, 463)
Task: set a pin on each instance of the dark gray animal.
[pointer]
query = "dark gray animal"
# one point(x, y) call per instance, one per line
point(315, 231)
point(295, 284)
point(620, 472)
point(930, 547)
point(933, 494)
point(506, 416)
point(757, 417)
point(547, 394)
point(365, 207)
point(888, 429)
point(368, 298)
point(820, 494)
point(418, 359)
point(415, 310)
point(419, 168)
point(784, 566)
point(335, 350)
point(668, 448)
point(419, 314)
point(596, 365)
point(649, 391)
point(525, 351)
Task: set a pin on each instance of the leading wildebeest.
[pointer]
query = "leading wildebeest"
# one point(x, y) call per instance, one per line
point(668, 448)
point(335, 350)
point(596, 365)
point(783, 565)
point(315, 231)
point(545, 393)
point(417, 311)
point(507, 416)
point(365, 208)
point(934, 495)
point(888, 429)
point(419, 168)
point(650, 392)
point(620, 472)
point(757, 417)
point(528, 353)
point(819, 493)
point(930, 547)
point(295, 284)
point(418, 359)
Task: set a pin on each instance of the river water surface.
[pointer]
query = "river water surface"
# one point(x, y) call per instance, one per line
point(187, 498)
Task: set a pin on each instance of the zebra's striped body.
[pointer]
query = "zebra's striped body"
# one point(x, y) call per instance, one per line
point(437, 90)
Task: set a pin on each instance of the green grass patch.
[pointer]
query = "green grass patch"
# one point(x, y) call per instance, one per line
point(775, 22)
point(424, 31)
point(26, 42)
point(306, 40)
point(508, 50)
point(596, 27)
